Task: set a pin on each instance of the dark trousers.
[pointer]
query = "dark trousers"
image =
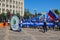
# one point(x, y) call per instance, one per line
point(44, 29)
point(59, 28)
point(53, 27)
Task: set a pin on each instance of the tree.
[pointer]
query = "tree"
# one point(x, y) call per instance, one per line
point(18, 15)
point(39, 14)
point(8, 15)
point(27, 13)
point(0, 18)
point(57, 12)
point(3, 16)
point(13, 12)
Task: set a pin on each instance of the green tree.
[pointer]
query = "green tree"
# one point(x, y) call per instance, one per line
point(8, 15)
point(0, 18)
point(3, 16)
point(18, 15)
point(57, 12)
point(39, 14)
point(27, 13)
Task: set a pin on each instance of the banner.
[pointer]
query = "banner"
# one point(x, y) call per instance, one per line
point(14, 23)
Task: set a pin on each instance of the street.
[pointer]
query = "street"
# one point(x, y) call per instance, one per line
point(28, 34)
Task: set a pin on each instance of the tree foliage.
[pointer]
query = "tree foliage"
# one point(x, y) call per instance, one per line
point(0, 18)
point(17, 14)
point(3, 16)
point(27, 13)
point(8, 14)
point(39, 14)
point(57, 12)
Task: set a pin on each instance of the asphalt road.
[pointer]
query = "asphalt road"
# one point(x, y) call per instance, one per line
point(29, 34)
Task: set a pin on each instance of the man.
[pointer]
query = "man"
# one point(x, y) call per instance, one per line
point(44, 27)
point(56, 23)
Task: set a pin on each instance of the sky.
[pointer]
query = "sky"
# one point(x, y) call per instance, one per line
point(41, 5)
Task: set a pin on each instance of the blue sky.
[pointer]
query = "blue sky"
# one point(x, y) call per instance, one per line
point(41, 5)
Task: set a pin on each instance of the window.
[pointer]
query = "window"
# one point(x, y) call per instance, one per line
point(7, 5)
point(19, 2)
point(19, 7)
point(16, 2)
point(3, 5)
point(10, 1)
point(16, 11)
point(13, 6)
point(3, 10)
point(7, 0)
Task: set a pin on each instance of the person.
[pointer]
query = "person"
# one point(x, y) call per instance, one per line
point(20, 25)
point(59, 26)
point(8, 22)
point(56, 23)
point(44, 27)
point(4, 22)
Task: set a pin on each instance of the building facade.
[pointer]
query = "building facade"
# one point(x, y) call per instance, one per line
point(16, 6)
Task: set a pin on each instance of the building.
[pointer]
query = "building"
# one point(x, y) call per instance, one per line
point(16, 6)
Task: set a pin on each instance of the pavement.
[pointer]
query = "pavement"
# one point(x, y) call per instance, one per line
point(29, 34)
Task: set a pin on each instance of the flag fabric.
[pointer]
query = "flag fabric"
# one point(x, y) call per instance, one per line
point(52, 15)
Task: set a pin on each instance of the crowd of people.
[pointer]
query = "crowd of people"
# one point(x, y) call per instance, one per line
point(44, 26)
point(55, 22)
